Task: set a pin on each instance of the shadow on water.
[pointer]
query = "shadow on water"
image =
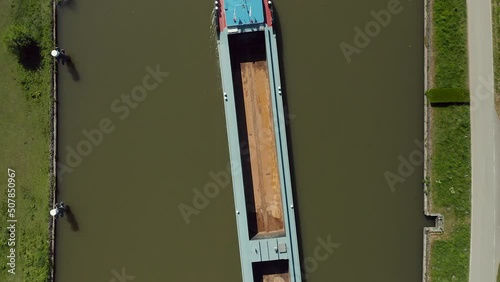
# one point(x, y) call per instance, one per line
point(72, 69)
point(279, 40)
point(430, 221)
point(70, 217)
point(67, 4)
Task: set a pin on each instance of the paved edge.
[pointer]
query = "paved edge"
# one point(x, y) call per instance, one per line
point(485, 129)
point(439, 224)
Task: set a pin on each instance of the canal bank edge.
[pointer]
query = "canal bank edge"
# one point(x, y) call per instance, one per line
point(428, 82)
point(53, 149)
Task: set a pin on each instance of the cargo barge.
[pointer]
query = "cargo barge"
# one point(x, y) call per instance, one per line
point(248, 56)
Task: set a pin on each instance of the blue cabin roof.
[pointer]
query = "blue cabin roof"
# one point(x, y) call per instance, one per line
point(243, 12)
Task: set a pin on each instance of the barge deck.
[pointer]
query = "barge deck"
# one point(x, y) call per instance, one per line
point(254, 110)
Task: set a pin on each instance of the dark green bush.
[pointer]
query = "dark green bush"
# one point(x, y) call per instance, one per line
point(21, 44)
point(448, 95)
point(17, 38)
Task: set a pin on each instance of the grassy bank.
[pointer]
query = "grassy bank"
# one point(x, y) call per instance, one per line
point(450, 43)
point(25, 125)
point(450, 192)
point(450, 183)
point(495, 10)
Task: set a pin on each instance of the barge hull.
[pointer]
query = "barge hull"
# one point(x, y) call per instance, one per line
point(257, 140)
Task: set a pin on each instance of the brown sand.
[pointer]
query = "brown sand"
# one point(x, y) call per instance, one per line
point(262, 147)
point(282, 277)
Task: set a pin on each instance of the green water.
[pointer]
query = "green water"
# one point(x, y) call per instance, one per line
point(349, 123)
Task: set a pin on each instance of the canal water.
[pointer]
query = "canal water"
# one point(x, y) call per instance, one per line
point(142, 133)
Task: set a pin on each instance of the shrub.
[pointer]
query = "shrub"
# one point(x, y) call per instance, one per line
point(22, 45)
point(17, 38)
point(448, 95)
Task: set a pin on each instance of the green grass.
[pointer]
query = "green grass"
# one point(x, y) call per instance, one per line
point(450, 192)
point(450, 184)
point(495, 10)
point(450, 43)
point(25, 125)
point(498, 273)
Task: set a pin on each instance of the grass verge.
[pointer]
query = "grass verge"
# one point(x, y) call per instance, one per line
point(25, 140)
point(450, 192)
point(450, 43)
point(495, 10)
point(450, 183)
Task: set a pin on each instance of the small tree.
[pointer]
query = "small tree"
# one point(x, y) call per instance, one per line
point(22, 45)
point(17, 39)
